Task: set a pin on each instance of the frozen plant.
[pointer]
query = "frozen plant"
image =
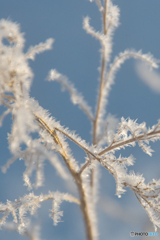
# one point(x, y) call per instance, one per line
point(109, 135)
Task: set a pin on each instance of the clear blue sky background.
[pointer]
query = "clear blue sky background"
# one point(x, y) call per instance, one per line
point(76, 55)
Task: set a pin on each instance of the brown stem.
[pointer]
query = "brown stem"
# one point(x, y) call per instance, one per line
point(105, 18)
point(75, 175)
point(95, 122)
point(84, 209)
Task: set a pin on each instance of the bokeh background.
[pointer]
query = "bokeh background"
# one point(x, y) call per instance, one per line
point(76, 55)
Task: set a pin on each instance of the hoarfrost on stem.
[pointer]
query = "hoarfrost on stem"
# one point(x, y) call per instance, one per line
point(50, 141)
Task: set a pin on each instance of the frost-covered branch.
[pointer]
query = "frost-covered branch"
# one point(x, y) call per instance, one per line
point(32, 231)
point(119, 60)
point(121, 139)
point(4, 115)
point(85, 204)
point(41, 47)
point(62, 150)
point(76, 97)
point(99, 5)
point(90, 30)
point(30, 203)
point(110, 17)
point(147, 194)
point(29, 119)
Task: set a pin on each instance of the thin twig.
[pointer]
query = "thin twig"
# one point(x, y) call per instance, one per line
point(105, 17)
point(134, 139)
point(99, 5)
point(57, 141)
point(5, 104)
point(9, 97)
point(4, 115)
point(81, 105)
point(125, 55)
point(85, 165)
point(80, 145)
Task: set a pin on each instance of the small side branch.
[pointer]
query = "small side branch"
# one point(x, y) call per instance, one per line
point(57, 141)
point(85, 165)
point(76, 97)
point(131, 140)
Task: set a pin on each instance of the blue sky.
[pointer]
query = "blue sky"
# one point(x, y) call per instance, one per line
point(76, 55)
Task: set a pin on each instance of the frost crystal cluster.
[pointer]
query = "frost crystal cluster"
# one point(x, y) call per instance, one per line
point(50, 143)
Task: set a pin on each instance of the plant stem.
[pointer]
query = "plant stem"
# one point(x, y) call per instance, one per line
point(77, 177)
point(84, 209)
point(103, 65)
